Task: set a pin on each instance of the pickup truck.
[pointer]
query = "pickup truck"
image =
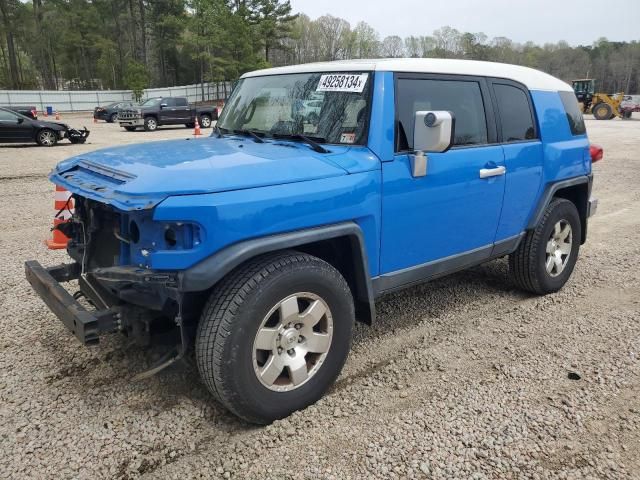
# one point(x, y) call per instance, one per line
point(260, 246)
point(158, 111)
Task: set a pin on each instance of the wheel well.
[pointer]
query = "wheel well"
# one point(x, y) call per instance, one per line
point(345, 255)
point(579, 196)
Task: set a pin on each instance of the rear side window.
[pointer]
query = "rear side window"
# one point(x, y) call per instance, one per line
point(574, 116)
point(463, 98)
point(181, 102)
point(515, 114)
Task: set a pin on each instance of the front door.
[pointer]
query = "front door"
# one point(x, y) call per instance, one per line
point(449, 217)
point(14, 127)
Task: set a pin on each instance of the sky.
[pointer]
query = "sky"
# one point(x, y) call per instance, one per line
point(579, 22)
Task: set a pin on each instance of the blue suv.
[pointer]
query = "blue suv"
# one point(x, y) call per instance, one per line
point(261, 245)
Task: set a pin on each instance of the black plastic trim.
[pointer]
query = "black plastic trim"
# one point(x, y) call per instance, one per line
point(208, 272)
point(550, 191)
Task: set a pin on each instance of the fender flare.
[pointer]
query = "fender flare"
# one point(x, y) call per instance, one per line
point(550, 190)
point(205, 274)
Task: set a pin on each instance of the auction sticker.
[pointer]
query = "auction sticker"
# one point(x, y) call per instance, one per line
point(342, 82)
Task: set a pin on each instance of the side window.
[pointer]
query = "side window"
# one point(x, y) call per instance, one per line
point(8, 116)
point(515, 113)
point(169, 101)
point(574, 116)
point(181, 102)
point(462, 97)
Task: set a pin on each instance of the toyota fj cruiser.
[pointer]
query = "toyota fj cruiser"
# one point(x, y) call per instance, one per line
point(261, 245)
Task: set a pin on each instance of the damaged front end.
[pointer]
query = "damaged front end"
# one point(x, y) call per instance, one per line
point(111, 250)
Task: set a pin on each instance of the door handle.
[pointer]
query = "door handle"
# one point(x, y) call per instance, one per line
point(492, 172)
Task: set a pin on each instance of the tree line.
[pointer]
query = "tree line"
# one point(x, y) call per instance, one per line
point(109, 44)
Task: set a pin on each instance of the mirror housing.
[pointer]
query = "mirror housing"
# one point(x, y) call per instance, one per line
point(163, 105)
point(433, 131)
point(20, 120)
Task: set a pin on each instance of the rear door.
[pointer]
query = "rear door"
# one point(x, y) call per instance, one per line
point(447, 218)
point(182, 110)
point(518, 133)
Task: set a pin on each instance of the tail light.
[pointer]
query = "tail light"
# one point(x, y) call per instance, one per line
point(597, 152)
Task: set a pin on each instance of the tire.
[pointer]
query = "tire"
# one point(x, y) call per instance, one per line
point(113, 118)
point(602, 111)
point(150, 124)
point(528, 264)
point(240, 306)
point(130, 129)
point(46, 137)
point(627, 114)
point(205, 121)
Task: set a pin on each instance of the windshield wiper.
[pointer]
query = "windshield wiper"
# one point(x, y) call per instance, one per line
point(250, 133)
point(315, 146)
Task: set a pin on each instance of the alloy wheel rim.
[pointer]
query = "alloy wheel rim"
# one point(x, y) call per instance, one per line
point(46, 138)
point(151, 124)
point(292, 342)
point(205, 122)
point(559, 248)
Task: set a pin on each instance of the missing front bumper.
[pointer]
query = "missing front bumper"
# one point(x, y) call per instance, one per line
point(85, 325)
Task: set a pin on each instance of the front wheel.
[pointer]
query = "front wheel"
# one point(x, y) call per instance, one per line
point(150, 124)
point(47, 138)
point(602, 111)
point(205, 121)
point(113, 118)
point(274, 335)
point(546, 256)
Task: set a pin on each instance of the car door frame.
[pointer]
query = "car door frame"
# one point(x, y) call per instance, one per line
point(396, 279)
point(167, 114)
point(182, 112)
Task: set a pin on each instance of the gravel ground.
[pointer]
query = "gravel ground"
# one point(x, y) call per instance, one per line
point(464, 377)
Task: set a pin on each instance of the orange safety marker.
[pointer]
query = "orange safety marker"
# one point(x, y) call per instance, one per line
point(57, 115)
point(63, 203)
point(44, 112)
point(196, 130)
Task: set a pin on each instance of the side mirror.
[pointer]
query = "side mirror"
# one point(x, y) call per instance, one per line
point(163, 105)
point(20, 120)
point(433, 132)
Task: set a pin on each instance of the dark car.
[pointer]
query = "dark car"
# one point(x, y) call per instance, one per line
point(17, 128)
point(27, 111)
point(166, 111)
point(109, 113)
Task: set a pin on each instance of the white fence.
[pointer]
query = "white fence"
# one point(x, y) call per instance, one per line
point(83, 100)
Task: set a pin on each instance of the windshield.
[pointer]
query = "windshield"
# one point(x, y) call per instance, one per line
point(326, 107)
point(151, 102)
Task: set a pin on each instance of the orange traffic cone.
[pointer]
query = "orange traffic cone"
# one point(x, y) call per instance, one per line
point(57, 115)
point(196, 130)
point(45, 113)
point(63, 204)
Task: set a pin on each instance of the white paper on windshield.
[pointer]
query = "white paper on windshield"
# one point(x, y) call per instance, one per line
point(342, 82)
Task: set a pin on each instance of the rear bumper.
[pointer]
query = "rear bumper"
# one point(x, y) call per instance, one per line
point(85, 325)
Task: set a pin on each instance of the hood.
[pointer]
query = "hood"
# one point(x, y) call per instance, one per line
point(140, 176)
point(51, 125)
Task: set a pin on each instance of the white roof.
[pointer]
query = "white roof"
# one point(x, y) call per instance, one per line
point(533, 79)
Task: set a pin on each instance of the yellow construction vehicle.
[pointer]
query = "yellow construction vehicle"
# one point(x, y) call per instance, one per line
point(602, 105)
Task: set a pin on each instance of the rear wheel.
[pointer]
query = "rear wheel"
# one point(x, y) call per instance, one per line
point(150, 124)
point(205, 121)
point(274, 335)
point(47, 138)
point(602, 111)
point(626, 114)
point(546, 256)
